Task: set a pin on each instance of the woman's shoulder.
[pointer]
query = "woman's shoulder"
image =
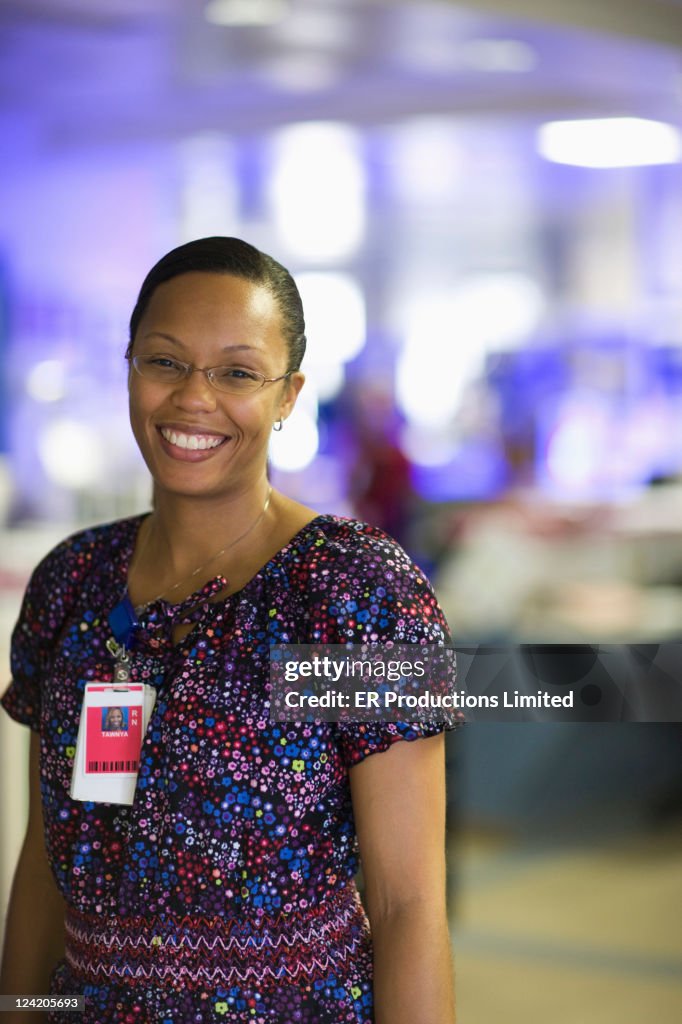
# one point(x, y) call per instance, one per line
point(355, 550)
point(85, 548)
point(364, 585)
point(330, 535)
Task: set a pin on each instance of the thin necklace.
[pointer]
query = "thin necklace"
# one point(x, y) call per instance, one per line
point(169, 590)
point(123, 619)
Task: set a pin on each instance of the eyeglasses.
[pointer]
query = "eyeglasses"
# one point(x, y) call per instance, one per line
point(232, 379)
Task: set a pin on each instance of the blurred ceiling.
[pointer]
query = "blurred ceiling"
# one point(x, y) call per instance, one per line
point(657, 20)
point(75, 73)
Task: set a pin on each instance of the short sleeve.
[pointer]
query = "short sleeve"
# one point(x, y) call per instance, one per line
point(34, 636)
point(21, 699)
point(360, 739)
point(387, 598)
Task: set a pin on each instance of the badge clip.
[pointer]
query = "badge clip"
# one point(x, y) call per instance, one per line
point(122, 659)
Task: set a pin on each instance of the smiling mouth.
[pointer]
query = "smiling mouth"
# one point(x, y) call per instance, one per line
point(191, 442)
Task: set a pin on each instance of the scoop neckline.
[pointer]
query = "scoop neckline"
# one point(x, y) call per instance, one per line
point(196, 595)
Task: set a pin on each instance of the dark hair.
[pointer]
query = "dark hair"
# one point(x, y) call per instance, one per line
point(221, 255)
point(107, 717)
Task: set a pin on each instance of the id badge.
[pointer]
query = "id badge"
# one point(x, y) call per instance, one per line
point(113, 722)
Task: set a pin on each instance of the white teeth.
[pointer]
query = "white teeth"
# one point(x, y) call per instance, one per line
point(191, 441)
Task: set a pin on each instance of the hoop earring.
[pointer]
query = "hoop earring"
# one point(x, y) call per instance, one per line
point(278, 425)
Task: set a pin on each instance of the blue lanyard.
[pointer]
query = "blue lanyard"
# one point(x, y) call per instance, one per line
point(124, 621)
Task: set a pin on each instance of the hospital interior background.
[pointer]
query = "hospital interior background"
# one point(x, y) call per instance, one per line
point(482, 205)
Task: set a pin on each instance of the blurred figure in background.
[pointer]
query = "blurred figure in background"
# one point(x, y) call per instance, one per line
point(380, 481)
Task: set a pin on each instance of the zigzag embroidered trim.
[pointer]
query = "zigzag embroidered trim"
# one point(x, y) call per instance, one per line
point(175, 951)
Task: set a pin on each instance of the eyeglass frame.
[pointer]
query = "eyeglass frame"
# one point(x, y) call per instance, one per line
point(208, 372)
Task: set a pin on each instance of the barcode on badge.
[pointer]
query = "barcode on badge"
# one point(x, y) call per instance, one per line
point(113, 766)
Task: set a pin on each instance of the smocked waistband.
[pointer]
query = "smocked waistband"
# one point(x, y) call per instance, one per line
point(192, 951)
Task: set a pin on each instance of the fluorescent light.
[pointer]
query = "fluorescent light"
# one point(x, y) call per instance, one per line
point(501, 309)
point(46, 381)
point(610, 142)
point(334, 316)
point(72, 454)
point(327, 379)
point(578, 445)
point(296, 445)
point(436, 362)
point(448, 335)
point(245, 12)
point(498, 55)
point(301, 72)
point(317, 191)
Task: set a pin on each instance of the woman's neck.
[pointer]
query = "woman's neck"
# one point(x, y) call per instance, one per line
point(183, 532)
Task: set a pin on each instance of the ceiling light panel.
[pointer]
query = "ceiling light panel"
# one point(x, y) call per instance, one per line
point(610, 142)
point(237, 13)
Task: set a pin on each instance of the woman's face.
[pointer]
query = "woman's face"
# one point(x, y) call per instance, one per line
point(115, 719)
point(208, 320)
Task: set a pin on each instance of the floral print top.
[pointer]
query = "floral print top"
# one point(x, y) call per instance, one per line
point(226, 891)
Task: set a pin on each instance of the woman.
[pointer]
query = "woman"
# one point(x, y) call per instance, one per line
point(226, 891)
point(114, 720)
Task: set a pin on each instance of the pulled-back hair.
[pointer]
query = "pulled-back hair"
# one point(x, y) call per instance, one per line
point(221, 255)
